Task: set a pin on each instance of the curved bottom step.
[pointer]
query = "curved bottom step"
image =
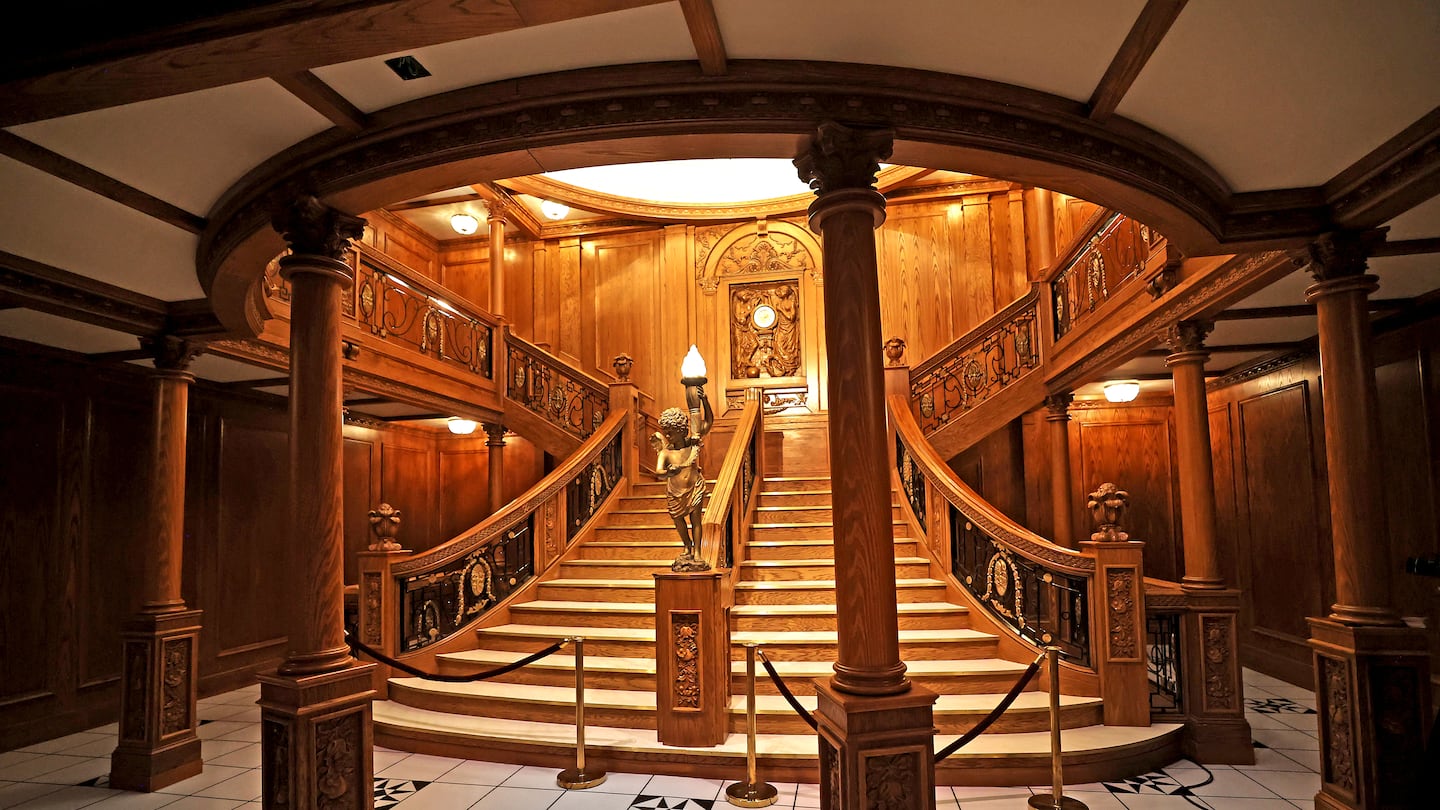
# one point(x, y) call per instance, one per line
point(1093, 753)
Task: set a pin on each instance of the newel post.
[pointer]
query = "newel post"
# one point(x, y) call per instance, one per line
point(378, 621)
point(625, 396)
point(1117, 610)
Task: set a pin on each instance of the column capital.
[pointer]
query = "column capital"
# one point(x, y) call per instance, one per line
point(1058, 406)
point(312, 228)
point(841, 157)
point(1339, 254)
point(172, 355)
point(499, 211)
point(494, 433)
point(1186, 341)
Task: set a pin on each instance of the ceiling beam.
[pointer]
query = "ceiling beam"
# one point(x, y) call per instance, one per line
point(122, 356)
point(1407, 247)
point(59, 292)
point(433, 202)
point(57, 165)
point(323, 99)
point(1393, 178)
point(1231, 348)
point(1144, 37)
point(262, 382)
point(705, 33)
point(519, 215)
point(1302, 310)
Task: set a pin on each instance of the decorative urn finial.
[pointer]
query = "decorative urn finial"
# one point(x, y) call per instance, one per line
point(385, 524)
point(1107, 507)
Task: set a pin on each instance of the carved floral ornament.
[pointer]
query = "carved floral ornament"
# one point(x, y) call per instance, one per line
point(757, 248)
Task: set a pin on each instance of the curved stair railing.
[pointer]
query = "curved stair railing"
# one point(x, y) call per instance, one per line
point(1089, 602)
point(731, 508)
point(551, 393)
point(415, 605)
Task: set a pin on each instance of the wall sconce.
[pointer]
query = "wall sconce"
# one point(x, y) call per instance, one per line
point(1122, 390)
point(554, 210)
point(460, 426)
point(464, 224)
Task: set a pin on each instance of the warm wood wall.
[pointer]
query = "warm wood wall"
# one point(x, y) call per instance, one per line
point(77, 438)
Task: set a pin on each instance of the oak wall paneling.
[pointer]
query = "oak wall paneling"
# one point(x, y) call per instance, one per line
point(407, 473)
point(464, 489)
point(359, 464)
point(620, 308)
point(995, 468)
point(564, 268)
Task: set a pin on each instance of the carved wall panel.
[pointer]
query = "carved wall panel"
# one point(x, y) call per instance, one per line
point(1120, 605)
point(685, 637)
point(890, 781)
point(338, 766)
point(1337, 722)
point(762, 251)
point(765, 330)
point(1217, 636)
point(175, 688)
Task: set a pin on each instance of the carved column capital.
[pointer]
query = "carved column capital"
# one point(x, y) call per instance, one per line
point(171, 353)
point(1338, 255)
point(1058, 406)
point(842, 157)
point(494, 434)
point(313, 228)
point(501, 211)
point(1186, 341)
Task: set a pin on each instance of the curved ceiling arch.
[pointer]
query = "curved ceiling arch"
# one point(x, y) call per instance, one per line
point(667, 111)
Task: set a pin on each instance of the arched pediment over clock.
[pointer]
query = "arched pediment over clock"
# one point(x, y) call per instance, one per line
point(762, 248)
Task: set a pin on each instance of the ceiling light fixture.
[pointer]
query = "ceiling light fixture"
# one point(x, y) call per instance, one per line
point(554, 210)
point(1122, 390)
point(460, 426)
point(464, 224)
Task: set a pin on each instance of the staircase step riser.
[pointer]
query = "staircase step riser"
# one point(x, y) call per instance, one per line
point(826, 596)
point(787, 572)
point(647, 519)
point(805, 531)
point(582, 618)
point(967, 684)
point(666, 553)
point(606, 571)
point(817, 483)
point(595, 593)
point(563, 678)
point(825, 551)
point(815, 624)
point(813, 651)
point(805, 514)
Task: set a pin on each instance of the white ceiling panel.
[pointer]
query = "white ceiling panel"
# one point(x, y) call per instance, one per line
point(1288, 291)
point(63, 333)
point(186, 149)
point(647, 34)
point(1406, 276)
point(1058, 46)
point(51, 221)
point(215, 368)
point(1420, 222)
point(391, 409)
point(1287, 93)
point(1262, 330)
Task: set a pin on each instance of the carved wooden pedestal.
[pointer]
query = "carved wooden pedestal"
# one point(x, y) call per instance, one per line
point(1372, 691)
point(379, 613)
point(876, 751)
point(1117, 608)
point(317, 740)
point(158, 746)
point(692, 660)
point(1216, 731)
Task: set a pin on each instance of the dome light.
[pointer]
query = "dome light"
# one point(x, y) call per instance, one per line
point(693, 366)
point(554, 210)
point(464, 224)
point(1122, 390)
point(460, 426)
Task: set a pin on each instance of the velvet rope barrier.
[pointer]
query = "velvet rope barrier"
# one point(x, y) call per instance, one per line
point(989, 719)
point(785, 690)
point(357, 647)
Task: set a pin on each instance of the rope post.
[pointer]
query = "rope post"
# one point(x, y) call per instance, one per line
point(750, 793)
point(1057, 800)
point(578, 778)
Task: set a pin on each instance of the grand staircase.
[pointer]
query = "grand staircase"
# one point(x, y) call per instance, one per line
point(784, 602)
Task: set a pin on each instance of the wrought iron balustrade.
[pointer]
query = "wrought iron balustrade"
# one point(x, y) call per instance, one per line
point(912, 480)
point(589, 489)
point(398, 311)
point(435, 604)
point(1114, 256)
point(1163, 662)
point(564, 397)
point(977, 367)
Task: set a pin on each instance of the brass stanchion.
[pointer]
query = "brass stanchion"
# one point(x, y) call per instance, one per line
point(751, 792)
point(578, 778)
point(1057, 800)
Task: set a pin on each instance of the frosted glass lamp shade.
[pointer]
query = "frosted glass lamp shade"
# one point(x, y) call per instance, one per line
point(1122, 390)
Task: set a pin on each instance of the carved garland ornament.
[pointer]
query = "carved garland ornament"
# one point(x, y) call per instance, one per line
point(1340, 752)
point(1120, 599)
point(685, 629)
point(337, 765)
point(890, 781)
point(372, 601)
point(1219, 675)
point(175, 687)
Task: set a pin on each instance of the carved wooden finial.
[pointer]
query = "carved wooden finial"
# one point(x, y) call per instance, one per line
point(1107, 506)
point(623, 363)
point(840, 157)
point(894, 351)
point(385, 524)
point(314, 228)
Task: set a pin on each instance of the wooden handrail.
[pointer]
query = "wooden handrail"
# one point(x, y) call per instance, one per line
point(546, 488)
point(1093, 225)
point(730, 500)
point(433, 289)
point(1012, 535)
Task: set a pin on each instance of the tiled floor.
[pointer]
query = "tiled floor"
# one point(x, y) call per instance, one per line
point(69, 772)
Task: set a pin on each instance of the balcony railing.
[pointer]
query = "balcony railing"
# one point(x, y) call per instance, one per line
point(978, 366)
point(564, 397)
point(1116, 252)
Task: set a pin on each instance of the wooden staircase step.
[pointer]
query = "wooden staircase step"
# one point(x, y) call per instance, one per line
point(802, 513)
point(945, 676)
point(911, 615)
point(776, 570)
point(601, 671)
point(588, 614)
point(666, 550)
point(820, 645)
point(597, 590)
point(789, 592)
point(813, 549)
point(652, 517)
point(795, 483)
point(613, 569)
point(807, 531)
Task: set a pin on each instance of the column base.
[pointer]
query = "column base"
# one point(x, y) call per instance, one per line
point(1372, 692)
point(1216, 731)
point(317, 740)
point(876, 751)
point(1218, 741)
point(158, 745)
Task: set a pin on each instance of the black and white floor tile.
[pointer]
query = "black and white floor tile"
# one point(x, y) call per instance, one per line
point(71, 772)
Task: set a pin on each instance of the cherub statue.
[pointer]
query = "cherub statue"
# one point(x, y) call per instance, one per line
point(677, 448)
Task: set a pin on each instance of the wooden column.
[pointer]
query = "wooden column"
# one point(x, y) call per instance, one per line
point(1215, 727)
point(316, 733)
point(158, 745)
point(876, 729)
point(498, 212)
point(1061, 505)
point(1372, 673)
point(1040, 219)
point(495, 443)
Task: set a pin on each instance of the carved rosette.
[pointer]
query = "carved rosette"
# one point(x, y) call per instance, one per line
point(175, 687)
point(275, 736)
point(685, 631)
point(1339, 748)
point(890, 781)
point(1217, 635)
point(842, 157)
point(1120, 601)
point(372, 600)
point(133, 724)
point(337, 762)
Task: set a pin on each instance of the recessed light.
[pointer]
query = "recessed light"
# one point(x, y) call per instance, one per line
point(554, 210)
point(407, 67)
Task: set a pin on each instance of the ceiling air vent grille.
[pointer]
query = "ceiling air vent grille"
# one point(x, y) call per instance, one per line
point(407, 67)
